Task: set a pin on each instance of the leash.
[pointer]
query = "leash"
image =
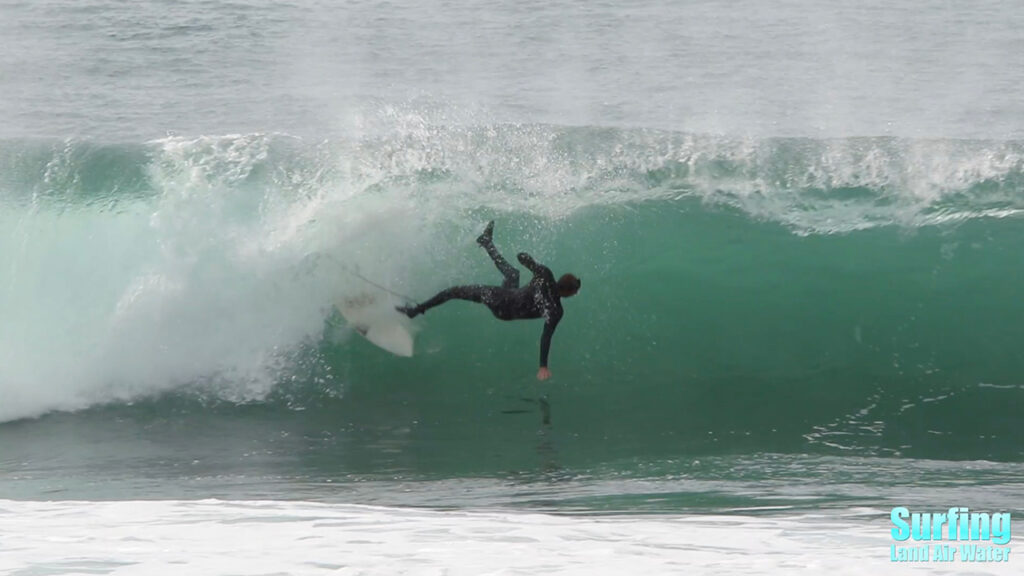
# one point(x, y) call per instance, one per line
point(355, 272)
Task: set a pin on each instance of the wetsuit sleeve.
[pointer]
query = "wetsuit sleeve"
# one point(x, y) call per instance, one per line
point(553, 310)
point(545, 338)
point(531, 264)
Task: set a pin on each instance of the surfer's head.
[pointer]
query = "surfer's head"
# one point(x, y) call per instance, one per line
point(568, 285)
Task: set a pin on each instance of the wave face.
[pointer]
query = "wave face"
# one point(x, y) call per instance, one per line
point(784, 295)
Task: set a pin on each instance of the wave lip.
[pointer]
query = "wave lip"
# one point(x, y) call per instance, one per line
point(814, 186)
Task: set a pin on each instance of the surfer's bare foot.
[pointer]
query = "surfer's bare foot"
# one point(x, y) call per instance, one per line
point(410, 311)
point(486, 238)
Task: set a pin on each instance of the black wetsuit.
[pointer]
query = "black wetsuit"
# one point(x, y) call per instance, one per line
point(538, 299)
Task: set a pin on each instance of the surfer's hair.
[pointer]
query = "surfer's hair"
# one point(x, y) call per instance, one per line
point(568, 285)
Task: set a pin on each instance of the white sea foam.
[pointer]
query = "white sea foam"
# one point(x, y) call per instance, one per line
point(218, 537)
point(211, 282)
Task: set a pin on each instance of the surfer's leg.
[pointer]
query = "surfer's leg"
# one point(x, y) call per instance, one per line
point(473, 293)
point(510, 273)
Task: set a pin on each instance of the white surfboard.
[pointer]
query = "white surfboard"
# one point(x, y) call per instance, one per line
point(375, 317)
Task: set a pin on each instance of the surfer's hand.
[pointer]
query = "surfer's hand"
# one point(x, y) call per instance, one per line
point(543, 373)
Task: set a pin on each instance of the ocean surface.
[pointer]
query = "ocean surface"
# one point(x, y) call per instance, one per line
point(798, 225)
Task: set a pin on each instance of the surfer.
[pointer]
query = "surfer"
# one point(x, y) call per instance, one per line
point(540, 298)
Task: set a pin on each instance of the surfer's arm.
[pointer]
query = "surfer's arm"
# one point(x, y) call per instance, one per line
point(545, 344)
point(532, 265)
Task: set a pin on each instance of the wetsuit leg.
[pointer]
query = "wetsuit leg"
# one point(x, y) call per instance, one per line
point(492, 296)
point(473, 293)
point(507, 270)
point(510, 273)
